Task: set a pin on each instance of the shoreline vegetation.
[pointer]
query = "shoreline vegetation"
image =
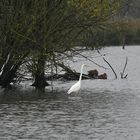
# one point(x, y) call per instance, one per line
point(36, 36)
point(121, 33)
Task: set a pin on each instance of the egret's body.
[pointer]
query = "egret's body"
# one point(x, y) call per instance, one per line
point(76, 87)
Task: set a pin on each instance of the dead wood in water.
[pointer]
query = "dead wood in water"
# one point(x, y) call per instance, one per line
point(108, 64)
point(73, 75)
point(110, 67)
point(122, 73)
point(66, 68)
point(67, 76)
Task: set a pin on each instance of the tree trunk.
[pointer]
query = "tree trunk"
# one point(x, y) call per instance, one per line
point(8, 76)
point(39, 76)
point(9, 69)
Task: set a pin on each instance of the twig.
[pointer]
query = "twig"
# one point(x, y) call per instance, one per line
point(124, 69)
point(108, 64)
point(110, 67)
point(67, 69)
point(91, 60)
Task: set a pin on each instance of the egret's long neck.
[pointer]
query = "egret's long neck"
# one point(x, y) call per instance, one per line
point(81, 73)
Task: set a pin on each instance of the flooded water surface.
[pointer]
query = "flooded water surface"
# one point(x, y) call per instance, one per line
point(103, 110)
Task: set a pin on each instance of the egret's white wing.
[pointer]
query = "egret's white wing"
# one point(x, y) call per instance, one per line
point(75, 87)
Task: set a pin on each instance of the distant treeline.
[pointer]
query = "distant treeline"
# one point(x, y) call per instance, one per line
point(124, 32)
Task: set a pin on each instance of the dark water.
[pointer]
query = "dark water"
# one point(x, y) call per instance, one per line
point(103, 110)
point(88, 116)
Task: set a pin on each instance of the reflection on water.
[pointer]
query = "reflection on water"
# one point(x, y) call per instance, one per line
point(103, 110)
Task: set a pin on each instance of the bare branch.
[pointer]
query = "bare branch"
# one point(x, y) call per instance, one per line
point(108, 64)
point(110, 67)
point(122, 74)
point(90, 60)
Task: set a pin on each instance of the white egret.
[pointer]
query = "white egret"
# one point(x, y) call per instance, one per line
point(76, 87)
